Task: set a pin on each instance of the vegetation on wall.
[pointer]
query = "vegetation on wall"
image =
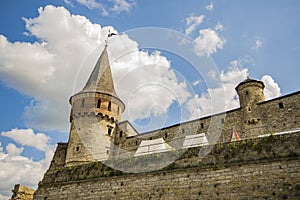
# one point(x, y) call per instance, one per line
point(222, 155)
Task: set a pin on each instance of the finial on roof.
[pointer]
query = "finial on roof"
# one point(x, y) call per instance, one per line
point(108, 36)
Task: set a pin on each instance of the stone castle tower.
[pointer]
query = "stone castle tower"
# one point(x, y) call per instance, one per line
point(96, 109)
point(251, 93)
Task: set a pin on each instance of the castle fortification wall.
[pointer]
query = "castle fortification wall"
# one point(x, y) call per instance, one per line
point(267, 167)
point(276, 115)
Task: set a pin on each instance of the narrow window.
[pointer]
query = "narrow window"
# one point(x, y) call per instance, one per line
point(166, 135)
point(118, 110)
point(280, 105)
point(222, 121)
point(82, 103)
point(109, 131)
point(77, 148)
point(247, 92)
point(98, 103)
point(150, 138)
point(121, 134)
point(202, 126)
point(107, 151)
point(136, 142)
point(109, 106)
point(249, 108)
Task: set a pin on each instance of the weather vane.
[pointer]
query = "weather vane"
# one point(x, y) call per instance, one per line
point(108, 36)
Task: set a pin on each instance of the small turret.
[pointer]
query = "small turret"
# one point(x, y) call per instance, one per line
point(250, 93)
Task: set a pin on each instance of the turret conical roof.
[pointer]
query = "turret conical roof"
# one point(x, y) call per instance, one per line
point(101, 78)
point(248, 80)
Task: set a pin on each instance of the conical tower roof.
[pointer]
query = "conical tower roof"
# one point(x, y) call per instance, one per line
point(248, 80)
point(101, 80)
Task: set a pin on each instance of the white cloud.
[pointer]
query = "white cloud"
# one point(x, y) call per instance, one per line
point(13, 150)
point(92, 4)
point(213, 101)
point(15, 168)
point(138, 74)
point(210, 7)
point(121, 5)
point(242, 62)
point(219, 27)
point(192, 22)
point(209, 102)
point(27, 137)
point(39, 69)
point(69, 2)
point(272, 89)
point(208, 42)
point(49, 70)
point(116, 6)
point(258, 44)
point(212, 74)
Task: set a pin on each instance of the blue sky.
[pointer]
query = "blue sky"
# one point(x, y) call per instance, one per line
point(47, 50)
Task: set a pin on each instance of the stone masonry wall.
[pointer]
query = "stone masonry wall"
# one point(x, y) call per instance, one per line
point(261, 168)
point(276, 180)
point(22, 192)
point(287, 117)
point(265, 117)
